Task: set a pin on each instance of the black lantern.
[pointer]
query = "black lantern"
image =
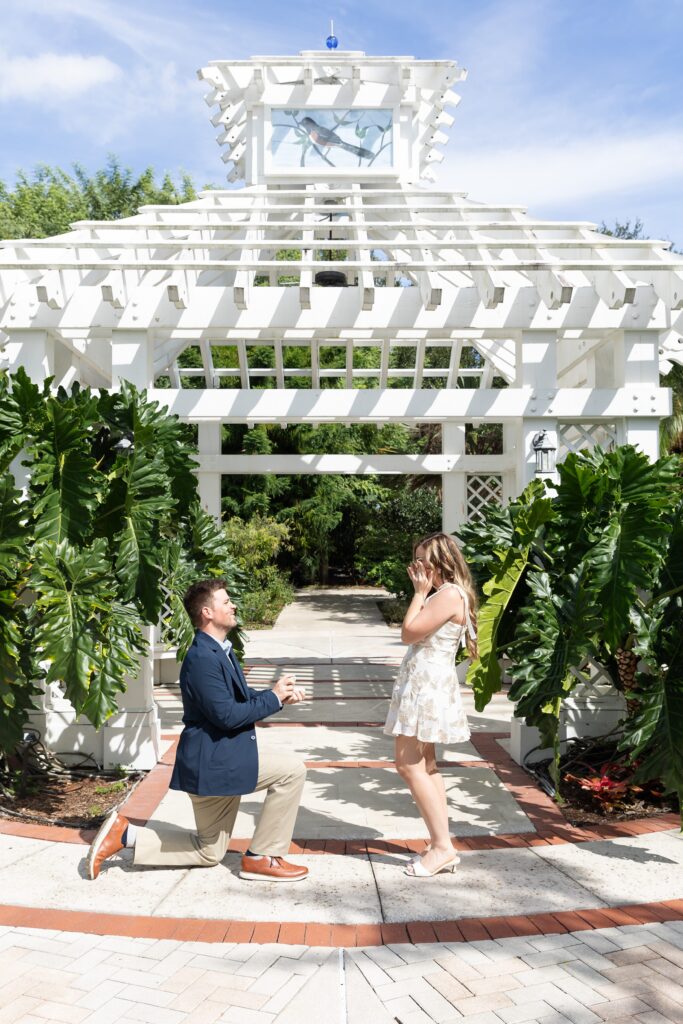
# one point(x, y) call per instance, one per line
point(545, 453)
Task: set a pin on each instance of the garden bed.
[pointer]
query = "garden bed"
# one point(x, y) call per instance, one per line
point(79, 802)
point(598, 787)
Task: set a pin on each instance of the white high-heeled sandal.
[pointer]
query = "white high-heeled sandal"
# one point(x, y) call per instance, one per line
point(416, 869)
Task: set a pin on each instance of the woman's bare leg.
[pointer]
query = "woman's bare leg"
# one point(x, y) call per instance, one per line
point(414, 762)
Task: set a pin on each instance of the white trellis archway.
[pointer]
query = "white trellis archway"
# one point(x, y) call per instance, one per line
point(570, 328)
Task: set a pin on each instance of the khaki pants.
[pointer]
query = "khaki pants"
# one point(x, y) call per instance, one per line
point(282, 775)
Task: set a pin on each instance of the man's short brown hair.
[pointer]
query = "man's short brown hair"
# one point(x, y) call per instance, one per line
point(199, 595)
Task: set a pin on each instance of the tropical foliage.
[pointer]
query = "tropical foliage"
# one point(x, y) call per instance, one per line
point(103, 541)
point(255, 545)
point(594, 571)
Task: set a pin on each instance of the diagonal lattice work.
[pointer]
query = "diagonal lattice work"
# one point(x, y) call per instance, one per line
point(573, 437)
point(482, 489)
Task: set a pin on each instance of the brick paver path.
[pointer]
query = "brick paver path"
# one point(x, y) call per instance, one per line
point(630, 974)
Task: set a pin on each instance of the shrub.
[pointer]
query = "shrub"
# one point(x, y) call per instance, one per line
point(254, 545)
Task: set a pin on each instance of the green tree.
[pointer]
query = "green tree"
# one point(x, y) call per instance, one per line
point(48, 200)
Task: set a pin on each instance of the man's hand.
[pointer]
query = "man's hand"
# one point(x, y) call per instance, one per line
point(284, 688)
point(296, 696)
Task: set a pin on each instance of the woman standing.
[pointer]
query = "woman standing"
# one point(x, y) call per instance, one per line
point(426, 707)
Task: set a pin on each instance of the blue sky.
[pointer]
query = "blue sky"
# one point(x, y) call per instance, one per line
point(573, 109)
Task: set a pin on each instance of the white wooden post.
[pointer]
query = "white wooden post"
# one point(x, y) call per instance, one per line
point(34, 350)
point(131, 359)
point(639, 364)
point(209, 443)
point(536, 369)
point(453, 483)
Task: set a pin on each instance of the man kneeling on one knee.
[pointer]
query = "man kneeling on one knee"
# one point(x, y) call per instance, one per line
point(218, 761)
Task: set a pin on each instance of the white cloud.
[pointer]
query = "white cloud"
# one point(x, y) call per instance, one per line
point(542, 175)
point(50, 78)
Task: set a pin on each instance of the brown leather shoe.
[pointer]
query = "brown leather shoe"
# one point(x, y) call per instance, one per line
point(107, 842)
point(271, 869)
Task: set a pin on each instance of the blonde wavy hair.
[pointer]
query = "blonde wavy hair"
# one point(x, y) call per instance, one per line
point(443, 555)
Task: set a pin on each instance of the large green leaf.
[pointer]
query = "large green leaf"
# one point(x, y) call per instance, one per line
point(13, 534)
point(557, 630)
point(17, 681)
point(532, 511)
point(653, 734)
point(89, 639)
point(21, 409)
point(64, 478)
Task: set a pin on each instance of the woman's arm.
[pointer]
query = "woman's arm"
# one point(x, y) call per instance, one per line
point(422, 619)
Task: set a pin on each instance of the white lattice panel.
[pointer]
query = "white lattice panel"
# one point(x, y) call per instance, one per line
point(482, 490)
point(574, 437)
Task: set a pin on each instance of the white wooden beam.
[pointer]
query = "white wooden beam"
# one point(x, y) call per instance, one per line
point(348, 465)
point(407, 405)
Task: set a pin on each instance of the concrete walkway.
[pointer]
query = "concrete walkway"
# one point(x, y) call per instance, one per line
point(540, 922)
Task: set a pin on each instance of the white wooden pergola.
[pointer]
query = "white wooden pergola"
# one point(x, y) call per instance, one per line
point(573, 327)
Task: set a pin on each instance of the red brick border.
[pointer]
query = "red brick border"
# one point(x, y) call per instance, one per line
point(184, 929)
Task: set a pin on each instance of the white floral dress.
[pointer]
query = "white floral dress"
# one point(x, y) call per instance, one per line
point(426, 700)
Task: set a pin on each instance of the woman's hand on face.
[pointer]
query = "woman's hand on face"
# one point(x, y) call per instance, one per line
point(421, 578)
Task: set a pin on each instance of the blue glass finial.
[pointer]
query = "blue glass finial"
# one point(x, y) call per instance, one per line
point(331, 42)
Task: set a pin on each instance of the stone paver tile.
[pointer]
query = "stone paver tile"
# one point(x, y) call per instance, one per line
point(99, 996)
point(504, 965)
point(432, 1002)
point(238, 997)
point(653, 1017)
point(550, 956)
point(479, 1004)
point(55, 1012)
point(406, 1010)
point(540, 975)
point(153, 1014)
point(271, 981)
point(207, 1012)
point(669, 969)
point(260, 961)
point(524, 1012)
point(579, 990)
point(416, 953)
point(418, 969)
point(368, 967)
point(667, 950)
point(110, 1013)
point(362, 1001)
point(543, 942)
point(321, 989)
point(632, 955)
point(482, 986)
point(285, 993)
point(18, 1007)
point(448, 986)
point(146, 996)
point(238, 1015)
point(457, 968)
point(617, 1008)
point(599, 942)
point(485, 1017)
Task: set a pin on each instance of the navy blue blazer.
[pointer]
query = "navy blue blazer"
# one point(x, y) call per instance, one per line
point(217, 752)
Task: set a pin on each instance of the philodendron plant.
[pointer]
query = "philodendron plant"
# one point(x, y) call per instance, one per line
point(593, 568)
point(103, 541)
